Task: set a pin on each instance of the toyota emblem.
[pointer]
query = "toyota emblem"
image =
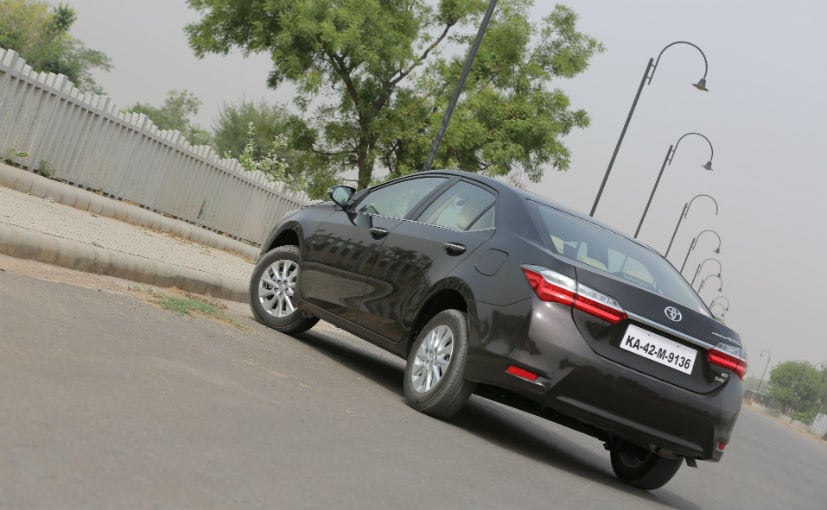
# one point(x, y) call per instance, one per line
point(673, 313)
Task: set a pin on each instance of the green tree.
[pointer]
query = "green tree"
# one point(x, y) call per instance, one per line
point(176, 113)
point(797, 386)
point(40, 34)
point(269, 139)
point(232, 126)
point(379, 74)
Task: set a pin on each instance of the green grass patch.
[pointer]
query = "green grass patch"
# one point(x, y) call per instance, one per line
point(192, 304)
point(186, 306)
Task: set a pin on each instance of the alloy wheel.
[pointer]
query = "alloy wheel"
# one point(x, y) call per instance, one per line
point(276, 288)
point(432, 359)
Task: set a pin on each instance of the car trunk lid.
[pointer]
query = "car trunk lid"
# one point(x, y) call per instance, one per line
point(660, 337)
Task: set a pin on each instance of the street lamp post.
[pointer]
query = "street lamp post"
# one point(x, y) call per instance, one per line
point(715, 301)
point(723, 310)
point(667, 160)
point(466, 68)
point(720, 280)
point(695, 241)
point(701, 265)
point(683, 215)
point(648, 74)
point(767, 364)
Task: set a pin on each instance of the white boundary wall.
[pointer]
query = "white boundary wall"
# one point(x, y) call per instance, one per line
point(819, 425)
point(90, 143)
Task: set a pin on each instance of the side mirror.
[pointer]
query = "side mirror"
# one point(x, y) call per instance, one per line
point(341, 195)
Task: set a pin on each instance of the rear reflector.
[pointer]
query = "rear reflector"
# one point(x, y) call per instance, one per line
point(728, 360)
point(721, 446)
point(521, 373)
point(555, 287)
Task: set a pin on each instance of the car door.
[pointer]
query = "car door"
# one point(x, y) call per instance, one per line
point(340, 253)
point(420, 252)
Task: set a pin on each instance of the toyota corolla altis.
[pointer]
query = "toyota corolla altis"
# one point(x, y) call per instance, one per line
point(487, 289)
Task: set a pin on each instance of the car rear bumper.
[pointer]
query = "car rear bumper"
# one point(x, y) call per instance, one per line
point(576, 382)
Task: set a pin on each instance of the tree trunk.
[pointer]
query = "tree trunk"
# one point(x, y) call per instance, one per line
point(364, 162)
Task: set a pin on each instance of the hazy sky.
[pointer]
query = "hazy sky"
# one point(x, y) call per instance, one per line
point(765, 115)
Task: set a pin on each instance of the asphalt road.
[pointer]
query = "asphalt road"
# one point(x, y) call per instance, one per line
point(108, 401)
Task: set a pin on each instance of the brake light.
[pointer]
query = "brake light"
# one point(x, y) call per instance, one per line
point(551, 286)
point(598, 304)
point(729, 357)
point(558, 288)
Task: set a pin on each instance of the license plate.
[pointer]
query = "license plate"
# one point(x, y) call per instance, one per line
point(658, 349)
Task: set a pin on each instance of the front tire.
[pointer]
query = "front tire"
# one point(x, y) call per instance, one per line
point(273, 285)
point(435, 381)
point(641, 468)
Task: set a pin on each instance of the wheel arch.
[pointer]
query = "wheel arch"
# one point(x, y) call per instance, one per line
point(288, 234)
point(449, 294)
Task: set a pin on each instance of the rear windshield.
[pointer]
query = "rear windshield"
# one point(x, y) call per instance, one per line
point(577, 239)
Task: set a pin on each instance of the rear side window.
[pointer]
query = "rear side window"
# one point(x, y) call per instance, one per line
point(397, 200)
point(577, 239)
point(463, 206)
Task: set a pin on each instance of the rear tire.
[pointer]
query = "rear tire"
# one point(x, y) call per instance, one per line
point(641, 468)
point(435, 373)
point(273, 284)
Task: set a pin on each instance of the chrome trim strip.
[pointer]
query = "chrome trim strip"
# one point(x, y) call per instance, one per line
point(684, 336)
point(730, 339)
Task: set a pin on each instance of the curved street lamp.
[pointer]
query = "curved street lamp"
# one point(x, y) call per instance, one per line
point(670, 153)
point(707, 277)
point(715, 302)
point(683, 215)
point(695, 242)
point(723, 310)
point(648, 74)
point(767, 364)
point(701, 265)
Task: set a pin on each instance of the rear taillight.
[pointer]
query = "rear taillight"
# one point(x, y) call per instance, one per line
point(551, 286)
point(729, 357)
point(598, 304)
point(558, 288)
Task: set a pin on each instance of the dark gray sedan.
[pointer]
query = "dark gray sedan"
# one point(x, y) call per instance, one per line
point(486, 288)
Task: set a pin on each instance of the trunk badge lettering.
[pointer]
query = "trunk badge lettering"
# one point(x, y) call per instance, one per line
point(673, 314)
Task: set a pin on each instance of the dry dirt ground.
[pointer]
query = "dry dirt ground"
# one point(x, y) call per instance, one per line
point(98, 282)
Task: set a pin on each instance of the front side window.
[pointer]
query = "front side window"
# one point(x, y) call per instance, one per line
point(463, 206)
point(397, 200)
point(577, 239)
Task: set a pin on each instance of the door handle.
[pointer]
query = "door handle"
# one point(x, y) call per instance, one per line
point(454, 248)
point(377, 232)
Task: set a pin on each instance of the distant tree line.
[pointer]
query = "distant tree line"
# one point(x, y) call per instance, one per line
point(800, 388)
